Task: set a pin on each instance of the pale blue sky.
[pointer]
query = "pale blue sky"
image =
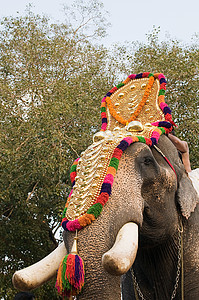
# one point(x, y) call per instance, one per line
point(130, 19)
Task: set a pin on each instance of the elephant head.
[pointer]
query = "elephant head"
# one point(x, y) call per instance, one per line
point(151, 201)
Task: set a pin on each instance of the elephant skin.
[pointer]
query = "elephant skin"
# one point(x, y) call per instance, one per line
point(145, 191)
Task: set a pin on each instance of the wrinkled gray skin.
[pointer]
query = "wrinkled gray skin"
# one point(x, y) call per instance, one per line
point(147, 192)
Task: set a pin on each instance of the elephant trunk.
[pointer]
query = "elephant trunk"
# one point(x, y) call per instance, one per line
point(39, 273)
point(121, 256)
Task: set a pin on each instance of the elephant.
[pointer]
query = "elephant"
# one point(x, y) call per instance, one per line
point(153, 210)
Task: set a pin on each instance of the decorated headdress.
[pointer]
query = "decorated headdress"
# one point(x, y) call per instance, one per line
point(133, 111)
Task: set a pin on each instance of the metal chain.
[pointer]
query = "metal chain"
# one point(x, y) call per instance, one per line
point(136, 285)
point(178, 265)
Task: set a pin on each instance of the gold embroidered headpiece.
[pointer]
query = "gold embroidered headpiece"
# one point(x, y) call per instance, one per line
point(132, 111)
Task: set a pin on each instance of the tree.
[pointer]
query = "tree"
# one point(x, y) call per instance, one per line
point(180, 64)
point(52, 79)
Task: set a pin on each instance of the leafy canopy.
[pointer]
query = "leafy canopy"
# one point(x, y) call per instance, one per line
point(51, 81)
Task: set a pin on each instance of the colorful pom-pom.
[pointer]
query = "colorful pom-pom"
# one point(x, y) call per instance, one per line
point(70, 276)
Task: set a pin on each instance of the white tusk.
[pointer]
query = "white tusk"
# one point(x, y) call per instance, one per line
point(121, 256)
point(42, 271)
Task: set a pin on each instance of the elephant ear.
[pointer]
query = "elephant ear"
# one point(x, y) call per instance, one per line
point(187, 196)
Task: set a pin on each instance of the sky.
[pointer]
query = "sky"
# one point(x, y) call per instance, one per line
point(131, 20)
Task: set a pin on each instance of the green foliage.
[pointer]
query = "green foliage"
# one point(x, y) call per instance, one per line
point(180, 64)
point(51, 84)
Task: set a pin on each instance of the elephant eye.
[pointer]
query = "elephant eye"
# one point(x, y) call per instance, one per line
point(148, 160)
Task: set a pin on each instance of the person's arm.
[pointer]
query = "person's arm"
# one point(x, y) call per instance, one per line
point(186, 161)
point(183, 147)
